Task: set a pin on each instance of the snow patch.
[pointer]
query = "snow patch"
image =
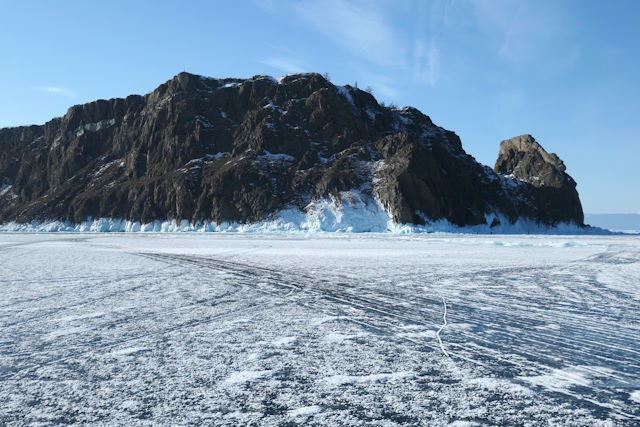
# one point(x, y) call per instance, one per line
point(104, 168)
point(337, 337)
point(342, 90)
point(5, 189)
point(63, 332)
point(245, 376)
point(321, 320)
point(402, 119)
point(304, 411)
point(265, 77)
point(271, 106)
point(416, 331)
point(338, 380)
point(284, 341)
point(563, 379)
point(276, 157)
point(128, 351)
point(94, 127)
point(202, 120)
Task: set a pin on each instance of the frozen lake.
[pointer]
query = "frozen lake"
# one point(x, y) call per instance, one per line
point(330, 330)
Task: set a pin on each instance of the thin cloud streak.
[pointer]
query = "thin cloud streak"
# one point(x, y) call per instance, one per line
point(284, 64)
point(426, 62)
point(365, 30)
point(360, 28)
point(525, 32)
point(55, 90)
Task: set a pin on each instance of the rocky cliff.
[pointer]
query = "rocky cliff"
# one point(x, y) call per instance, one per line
point(234, 150)
point(554, 191)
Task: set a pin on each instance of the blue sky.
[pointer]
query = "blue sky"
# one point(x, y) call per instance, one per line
point(568, 72)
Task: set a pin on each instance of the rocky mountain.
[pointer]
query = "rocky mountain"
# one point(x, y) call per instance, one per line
point(242, 150)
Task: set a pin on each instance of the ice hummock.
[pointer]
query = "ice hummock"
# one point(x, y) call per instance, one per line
point(349, 212)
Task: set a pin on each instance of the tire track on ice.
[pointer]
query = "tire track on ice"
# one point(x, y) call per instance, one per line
point(137, 319)
point(372, 305)
point(113, 344)
point(342, 299)
point(86, 301)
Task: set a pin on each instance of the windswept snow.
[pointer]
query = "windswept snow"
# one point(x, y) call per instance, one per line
point(341, 329)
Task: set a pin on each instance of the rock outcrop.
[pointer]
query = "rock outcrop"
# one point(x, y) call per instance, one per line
point(554, 191)
point(241, 150)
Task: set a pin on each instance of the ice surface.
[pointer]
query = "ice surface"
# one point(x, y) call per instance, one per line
point(245, 329)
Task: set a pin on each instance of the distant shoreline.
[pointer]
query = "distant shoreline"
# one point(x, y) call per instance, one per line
point(628, 223)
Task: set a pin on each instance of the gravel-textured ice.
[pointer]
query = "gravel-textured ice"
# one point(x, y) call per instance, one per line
point(254, 329)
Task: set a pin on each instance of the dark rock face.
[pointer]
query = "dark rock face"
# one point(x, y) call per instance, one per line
point(554, 191)
point(240, 150)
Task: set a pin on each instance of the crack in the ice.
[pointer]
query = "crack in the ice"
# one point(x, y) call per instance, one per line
point(444, 324)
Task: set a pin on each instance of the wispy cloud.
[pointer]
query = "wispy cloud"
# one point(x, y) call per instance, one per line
point(381, 84)
point(367, 31)
point(524, 32)
point(426, 61)
point(285, 64)
point(514, 28)
point(55, 90)
point(361, 28)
